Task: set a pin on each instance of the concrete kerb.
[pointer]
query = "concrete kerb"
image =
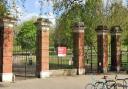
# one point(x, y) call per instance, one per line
point(63, 72)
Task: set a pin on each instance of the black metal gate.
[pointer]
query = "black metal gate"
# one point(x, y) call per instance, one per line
point(24, 59)
point(91, 59)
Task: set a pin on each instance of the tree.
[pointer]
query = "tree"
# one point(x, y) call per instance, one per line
point(27, 35)
point(3, 8)
point(119, 16)
point(92, 17)
point(90, 13)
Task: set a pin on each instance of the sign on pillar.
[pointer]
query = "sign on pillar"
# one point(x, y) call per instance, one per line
point(102, 45)
point(116, 48)
point(78, 47)
point(42, 52)
point(6, 48)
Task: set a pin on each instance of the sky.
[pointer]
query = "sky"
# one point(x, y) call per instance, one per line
point(32, 8)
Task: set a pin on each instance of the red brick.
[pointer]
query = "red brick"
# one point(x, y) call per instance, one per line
point(45, 66)
point(102, 43)
point(78, 48)
point(7, 52)
point(7, 68)
point(44, 60)
point(6, 45)
point(43, 51)
point(45, 46)
point(7, 60)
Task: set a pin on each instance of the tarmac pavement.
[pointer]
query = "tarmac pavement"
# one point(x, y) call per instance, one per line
point(61, 82)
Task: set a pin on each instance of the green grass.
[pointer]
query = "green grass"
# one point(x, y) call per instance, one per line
point(59, 62)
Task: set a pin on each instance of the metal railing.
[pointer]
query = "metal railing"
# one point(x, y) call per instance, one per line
point(57, 62)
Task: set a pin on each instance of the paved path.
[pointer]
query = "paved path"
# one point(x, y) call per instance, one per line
point(65, 82)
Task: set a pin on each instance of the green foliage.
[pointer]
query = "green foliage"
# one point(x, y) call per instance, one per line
point(3, 8)
point(27, 35)
point(92, 16)
point(92, 13)
point(125, 40)
point(63, 32)
point(51, 38)
point(89, 13)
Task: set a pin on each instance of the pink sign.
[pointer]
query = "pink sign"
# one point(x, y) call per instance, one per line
point(62, 51)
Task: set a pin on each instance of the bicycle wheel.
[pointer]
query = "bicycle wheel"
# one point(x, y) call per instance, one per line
point(90, 86)
point(100, 85)
point(111, 85)
point(125, 85)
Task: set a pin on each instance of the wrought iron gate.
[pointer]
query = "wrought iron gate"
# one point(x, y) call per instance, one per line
point(24, 59)
point(91, 59)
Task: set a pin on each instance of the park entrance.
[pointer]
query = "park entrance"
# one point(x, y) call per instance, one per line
point(30, 59)
point(97, 55)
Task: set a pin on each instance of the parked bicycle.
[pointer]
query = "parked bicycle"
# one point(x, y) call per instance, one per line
point(108, 83)
point(121, 82)
point(104, 83)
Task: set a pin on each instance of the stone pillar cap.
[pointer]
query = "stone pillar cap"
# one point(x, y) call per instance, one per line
point(7, 21)
point(101, 28)
point(40, 21)
point(9, 18)
point(116, 29)
point(78, 25)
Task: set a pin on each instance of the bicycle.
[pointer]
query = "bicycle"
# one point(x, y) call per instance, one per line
point(106, 84)
point(102, 84)
point(124, 83)
point(112, 83)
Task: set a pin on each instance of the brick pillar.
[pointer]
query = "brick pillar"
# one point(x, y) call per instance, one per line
point(115, 48)
point(42, 68)
point(78, 47)
point(102, 45)
point(6, 48)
